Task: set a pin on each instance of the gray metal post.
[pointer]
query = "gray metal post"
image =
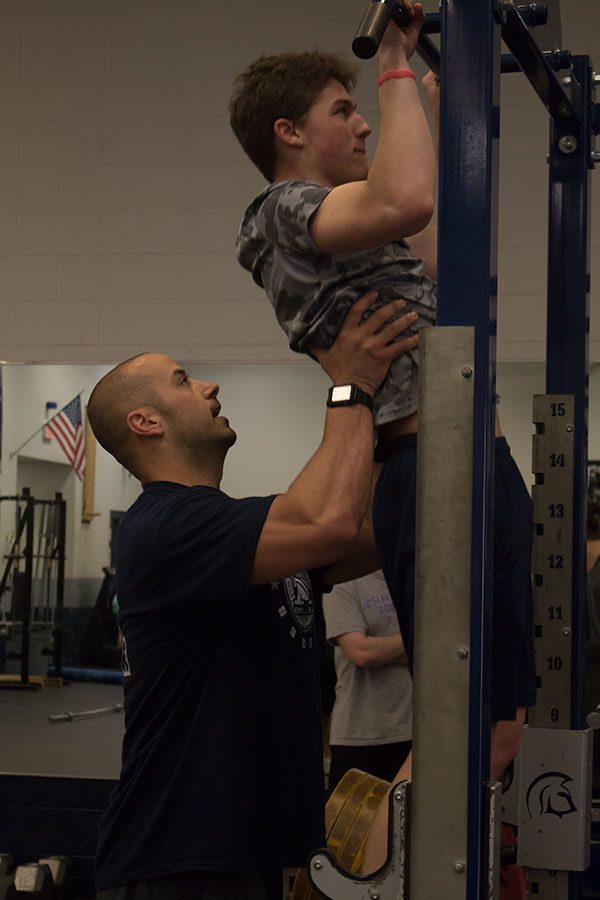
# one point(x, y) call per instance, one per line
point(438, 831)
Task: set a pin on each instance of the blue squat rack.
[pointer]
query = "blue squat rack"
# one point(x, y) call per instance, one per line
point(431, 857)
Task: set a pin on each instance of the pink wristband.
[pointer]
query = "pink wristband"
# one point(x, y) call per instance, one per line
point(396, 73)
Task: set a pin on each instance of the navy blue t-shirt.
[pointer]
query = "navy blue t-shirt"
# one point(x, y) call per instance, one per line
point(222, 755)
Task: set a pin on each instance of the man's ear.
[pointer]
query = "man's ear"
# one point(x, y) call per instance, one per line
point(285, 130)
point(145, 422)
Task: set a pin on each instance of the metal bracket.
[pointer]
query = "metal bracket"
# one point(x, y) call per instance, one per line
point(538, 70)
point(388, 883)
point(555, 799)
point(494, 806)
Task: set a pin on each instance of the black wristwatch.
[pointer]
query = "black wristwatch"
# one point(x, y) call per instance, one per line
point(348, 395)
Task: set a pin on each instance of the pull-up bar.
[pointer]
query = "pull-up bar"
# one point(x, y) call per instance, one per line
point(374, 22)
point(539, 66)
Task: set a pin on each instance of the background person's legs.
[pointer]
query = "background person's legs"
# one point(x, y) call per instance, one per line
point(381, 760)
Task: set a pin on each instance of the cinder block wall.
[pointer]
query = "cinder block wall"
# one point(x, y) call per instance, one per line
point(121, 187)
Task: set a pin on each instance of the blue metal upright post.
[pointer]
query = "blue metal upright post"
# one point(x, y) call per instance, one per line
point(467, 284)
point(560, 688)
point(568, 321)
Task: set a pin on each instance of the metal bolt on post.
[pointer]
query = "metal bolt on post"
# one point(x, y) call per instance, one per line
point(462, 653)
point(593, 719)
point(567, 143)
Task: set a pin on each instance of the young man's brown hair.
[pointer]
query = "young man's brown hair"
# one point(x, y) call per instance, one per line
point(281, 86)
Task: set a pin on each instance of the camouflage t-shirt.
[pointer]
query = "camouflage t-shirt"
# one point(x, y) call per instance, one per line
point(311, 291)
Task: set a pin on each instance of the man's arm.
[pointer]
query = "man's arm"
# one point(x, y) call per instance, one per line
point(431, 86)
point(397, 198)
point(506, 741)
point(366, 651)
point(314, 523)
point(347, 625)
point(360, 559)
point(423, 245)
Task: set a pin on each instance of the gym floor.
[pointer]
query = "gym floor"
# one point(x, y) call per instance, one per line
point(89, 747)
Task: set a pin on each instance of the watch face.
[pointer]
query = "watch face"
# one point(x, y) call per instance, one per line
point(341, 392)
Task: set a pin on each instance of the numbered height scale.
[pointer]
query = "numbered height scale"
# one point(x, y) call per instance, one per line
point(553, 448)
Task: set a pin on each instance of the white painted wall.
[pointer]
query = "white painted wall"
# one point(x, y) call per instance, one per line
point(121, 186)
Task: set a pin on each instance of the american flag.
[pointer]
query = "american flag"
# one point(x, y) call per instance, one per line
point(67, 428)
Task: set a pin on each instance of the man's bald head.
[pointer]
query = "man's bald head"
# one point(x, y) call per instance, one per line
point(125, 388)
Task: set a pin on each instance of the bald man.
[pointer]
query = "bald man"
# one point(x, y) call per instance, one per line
point(221, 782)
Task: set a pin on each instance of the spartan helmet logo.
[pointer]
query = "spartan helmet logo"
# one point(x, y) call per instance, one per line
point(548, 794)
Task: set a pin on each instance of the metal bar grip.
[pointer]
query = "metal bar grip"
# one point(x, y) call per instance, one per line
point(373, 24)
point(429, 53)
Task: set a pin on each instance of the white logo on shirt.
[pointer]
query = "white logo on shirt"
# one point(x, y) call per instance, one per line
point(125, 667)
point(299, 605)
